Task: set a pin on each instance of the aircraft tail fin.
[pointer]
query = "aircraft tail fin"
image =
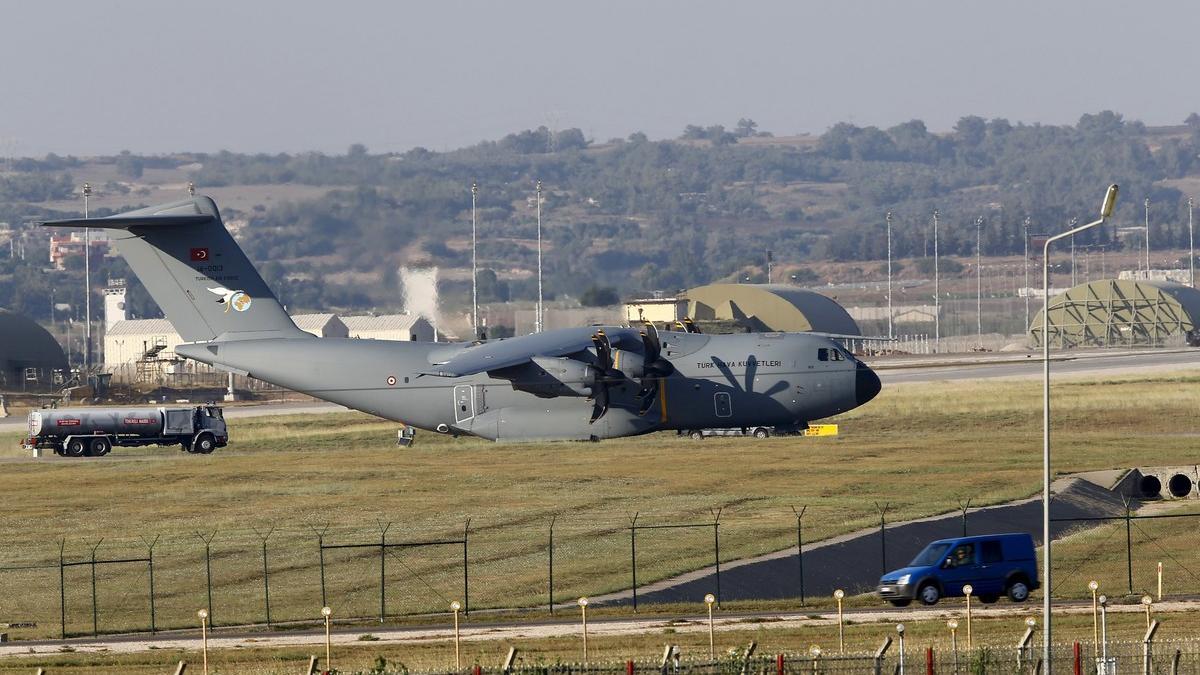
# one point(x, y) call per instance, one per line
point(195, 271)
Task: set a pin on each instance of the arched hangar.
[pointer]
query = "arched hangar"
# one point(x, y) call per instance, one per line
point(770, 307)
point(1121, 313)
point(29, 355)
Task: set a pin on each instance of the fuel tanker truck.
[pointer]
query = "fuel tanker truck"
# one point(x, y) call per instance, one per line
point(80, 432)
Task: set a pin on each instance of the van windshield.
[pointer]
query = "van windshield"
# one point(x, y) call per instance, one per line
point(932, 555)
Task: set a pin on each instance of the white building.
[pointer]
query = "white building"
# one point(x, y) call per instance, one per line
point(321, 325)
point(404, 327)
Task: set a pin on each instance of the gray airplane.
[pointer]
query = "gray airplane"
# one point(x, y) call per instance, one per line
point(572, 384)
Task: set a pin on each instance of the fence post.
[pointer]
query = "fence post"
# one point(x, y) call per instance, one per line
point(383, 571)
point(779, 664)
point(552, 519)
point(887, 642)
point(1128, 544)
point(150, 566)
point(964, 507)
point(466, 581)
point(62, 587)
point(1146, 643)
point(717, 549)
point(95, 609)
point(929, 661)
point(1078, 659)
point(207, 539)
point(882, 535)
point(800, 546)
point(633, 555)
point(266, 572)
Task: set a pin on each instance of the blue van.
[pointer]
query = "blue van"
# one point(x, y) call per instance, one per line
point(994, 565)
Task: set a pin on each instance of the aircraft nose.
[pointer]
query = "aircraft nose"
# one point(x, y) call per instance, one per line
point(866, 384)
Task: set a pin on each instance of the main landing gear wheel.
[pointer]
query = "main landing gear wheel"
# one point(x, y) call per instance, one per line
point(761, 433)
point(696, 435)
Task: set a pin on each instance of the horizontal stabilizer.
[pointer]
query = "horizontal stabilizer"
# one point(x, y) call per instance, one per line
point(126, 222)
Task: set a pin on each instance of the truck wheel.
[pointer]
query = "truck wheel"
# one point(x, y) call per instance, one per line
point(761, 433)
point(100, 447)
point(75, 448)
point(204, 444)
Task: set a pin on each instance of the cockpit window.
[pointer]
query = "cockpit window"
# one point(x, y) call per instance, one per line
point(828, 354)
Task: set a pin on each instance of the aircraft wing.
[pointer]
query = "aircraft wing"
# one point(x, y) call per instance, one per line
point(498, 354)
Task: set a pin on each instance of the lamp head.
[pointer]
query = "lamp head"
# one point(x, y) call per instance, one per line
point(203, 614)
point(709, 598)
point(815, 650)
point(1147, 600)
point(900, 628)
point(325, 611)
point(1031, 622)
point(952, 624)
point(1103, 600)
point(582, 601)
point(1110, 202)
point(968, 590)
point(455, 606)
point(839, 594)
point(1093, 585)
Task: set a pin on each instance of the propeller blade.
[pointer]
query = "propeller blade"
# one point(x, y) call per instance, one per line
point(604, 358)
point(599, 403)
point(648, 395)
point(651, 345)
point(690, 325)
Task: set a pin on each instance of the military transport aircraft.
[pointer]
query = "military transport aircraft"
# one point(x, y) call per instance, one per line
point(572, 384)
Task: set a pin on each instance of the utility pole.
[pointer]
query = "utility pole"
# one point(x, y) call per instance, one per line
point(937, 296)
point(1070, 226)
point(891, 335)
point(87, 284)
point(474, 267)
point(538, 320)
point(1147, 238)
point(979, 281)
point(1026, 261)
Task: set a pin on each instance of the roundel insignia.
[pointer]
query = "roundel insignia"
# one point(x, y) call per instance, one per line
point(240, 301)
point(391, 380)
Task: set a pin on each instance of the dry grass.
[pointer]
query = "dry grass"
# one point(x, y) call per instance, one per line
point(920, 447)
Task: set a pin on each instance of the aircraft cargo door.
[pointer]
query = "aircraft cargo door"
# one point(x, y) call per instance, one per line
point(464, 403)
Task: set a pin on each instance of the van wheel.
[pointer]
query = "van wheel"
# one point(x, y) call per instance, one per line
point(697, 435)
point(761, 433)
point(929, 593)
point(900, 602)
point(100, 447)
point(75, 448)
point(1018, 590)
point(204, 444)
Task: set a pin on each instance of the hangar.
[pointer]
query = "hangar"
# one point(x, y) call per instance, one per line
point(29, 355)
point(1120, 313)
point(770, 307)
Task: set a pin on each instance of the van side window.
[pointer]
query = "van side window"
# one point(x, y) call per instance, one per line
point(991, 552)
point(963, 555)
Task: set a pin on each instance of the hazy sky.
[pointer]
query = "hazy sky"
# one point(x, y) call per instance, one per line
point(155, 76)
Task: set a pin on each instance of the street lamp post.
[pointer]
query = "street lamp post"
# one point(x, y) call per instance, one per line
point(1147, 602)
point(1191, 245)
point(952, 624)
point(979, 280)
point(539, 247)
point(937, 296)
point(709, 599)
point(327, 613)
point(454, 607)
point(203, 614)
point(900, 632)
point(891, 335)
point(1025, 264)
point(87, 284)
point(1104, 632)
point(1147, 237)
point(1106, 208)
point(474, 266)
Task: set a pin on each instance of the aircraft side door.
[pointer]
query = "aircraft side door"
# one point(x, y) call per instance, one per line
point(723, 404)
point(464, 403)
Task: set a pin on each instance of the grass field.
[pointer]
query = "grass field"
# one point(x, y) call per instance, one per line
point(919, 446)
